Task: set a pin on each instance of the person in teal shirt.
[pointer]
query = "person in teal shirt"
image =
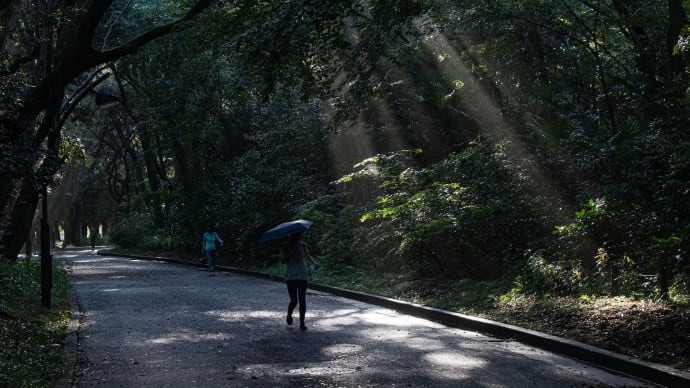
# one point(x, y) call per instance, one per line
point(208, 247)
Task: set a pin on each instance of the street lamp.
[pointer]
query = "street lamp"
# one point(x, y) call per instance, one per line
point(105, 97)
point(46, 257)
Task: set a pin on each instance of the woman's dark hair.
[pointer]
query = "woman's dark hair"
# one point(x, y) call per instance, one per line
point(291, 246)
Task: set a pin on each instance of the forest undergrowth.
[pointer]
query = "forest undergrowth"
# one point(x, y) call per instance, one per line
point(649, 330)
point(32, 336)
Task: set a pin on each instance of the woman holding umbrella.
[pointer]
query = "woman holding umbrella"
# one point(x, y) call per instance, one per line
point(295, 253)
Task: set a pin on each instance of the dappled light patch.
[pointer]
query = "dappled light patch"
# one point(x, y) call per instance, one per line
point(85, 261)
point(240, 316)
point(342, 349)
point(338, 318)
point(425, 343)
point(322, 370)
point(454, 360)
point(193, 337)
point(69, 256)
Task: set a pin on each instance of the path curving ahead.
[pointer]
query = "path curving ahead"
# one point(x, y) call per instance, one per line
point(155, 324)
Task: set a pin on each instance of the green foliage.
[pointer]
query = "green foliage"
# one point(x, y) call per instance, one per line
point(132, 231)
point(72, 148)
point(584, 258)
point(32, 354)
point(671, 265)
point(458, 218)
point(588, 222)
point(544, 277)
point(589, 103)
point(603, 253)
point(281, 172)
point(331, 238)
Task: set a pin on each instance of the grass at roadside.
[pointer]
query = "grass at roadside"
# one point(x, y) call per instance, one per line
point(32, 337)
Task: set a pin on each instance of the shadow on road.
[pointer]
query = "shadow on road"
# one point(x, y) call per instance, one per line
point(153, 324)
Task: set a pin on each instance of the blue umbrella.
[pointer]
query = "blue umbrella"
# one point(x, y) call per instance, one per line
point(285, 229)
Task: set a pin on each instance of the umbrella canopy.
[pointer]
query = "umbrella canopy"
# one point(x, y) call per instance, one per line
point(285, 229)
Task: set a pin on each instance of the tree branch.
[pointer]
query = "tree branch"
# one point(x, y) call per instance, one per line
point(133, 45)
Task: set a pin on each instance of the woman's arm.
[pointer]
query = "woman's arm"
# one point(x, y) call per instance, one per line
point(306, 252)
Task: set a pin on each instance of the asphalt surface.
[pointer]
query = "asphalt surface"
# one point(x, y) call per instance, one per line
point(142, 323)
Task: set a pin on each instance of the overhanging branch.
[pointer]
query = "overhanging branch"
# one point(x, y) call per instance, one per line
point(133, 45)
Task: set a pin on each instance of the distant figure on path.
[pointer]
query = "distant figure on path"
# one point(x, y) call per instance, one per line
point(208, 247)
point(295, 253)
point(93, 241)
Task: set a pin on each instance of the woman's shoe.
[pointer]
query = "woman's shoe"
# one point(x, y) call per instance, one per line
point(288, 320)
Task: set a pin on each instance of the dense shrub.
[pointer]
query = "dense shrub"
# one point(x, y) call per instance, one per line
point(608, 249)
point(462, 217)
point(132, 230)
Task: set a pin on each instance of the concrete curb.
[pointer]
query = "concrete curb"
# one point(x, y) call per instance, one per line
point(72, 350)
point(654, 373)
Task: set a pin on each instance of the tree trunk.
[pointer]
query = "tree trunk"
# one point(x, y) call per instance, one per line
point(55, 234)
point(73, 227)
point(28, 245)
point(55, 69)
point(152, 169)
point(20, 221)
point(182, 167)
point(676, 21)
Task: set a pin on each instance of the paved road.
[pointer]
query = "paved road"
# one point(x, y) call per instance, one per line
point(153, 324)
